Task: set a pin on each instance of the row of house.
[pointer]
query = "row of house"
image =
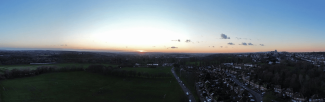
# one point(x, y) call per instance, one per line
point(297, 96)
point(220, 78)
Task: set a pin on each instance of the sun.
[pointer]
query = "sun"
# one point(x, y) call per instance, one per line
point(141, 50)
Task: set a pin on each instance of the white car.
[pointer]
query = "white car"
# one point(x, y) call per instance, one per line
point(186, 93)
point(190, 101)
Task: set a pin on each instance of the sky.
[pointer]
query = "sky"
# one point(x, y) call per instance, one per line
point(184, 26)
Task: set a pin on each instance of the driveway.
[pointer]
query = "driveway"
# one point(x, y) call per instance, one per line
point(190, 96)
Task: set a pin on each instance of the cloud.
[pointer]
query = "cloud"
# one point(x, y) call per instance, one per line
point(64, 45)
point(238, 38)
point(221, 46)
point(173, 47)
point(188, 41)
point(243, 43)
point(262, 44)
point(250, 44)
point(231, 43)
point(224, 36)
point(177, 40)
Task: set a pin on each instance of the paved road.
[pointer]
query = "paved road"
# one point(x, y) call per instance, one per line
point(190, 96)
point(258, 97)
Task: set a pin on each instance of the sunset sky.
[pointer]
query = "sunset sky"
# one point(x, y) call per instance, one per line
point(216, 26)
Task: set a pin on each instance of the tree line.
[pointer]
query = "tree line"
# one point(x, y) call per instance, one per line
point(302, 77)
point(18, 73)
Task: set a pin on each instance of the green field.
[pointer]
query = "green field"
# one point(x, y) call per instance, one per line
point(83, 86)
point(194, 63)
point(10, 67)
point(149, 70)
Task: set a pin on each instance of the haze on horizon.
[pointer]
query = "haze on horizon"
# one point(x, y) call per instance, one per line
point(216, 26)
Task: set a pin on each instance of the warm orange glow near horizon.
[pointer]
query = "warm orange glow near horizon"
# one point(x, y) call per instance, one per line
point(186, 48)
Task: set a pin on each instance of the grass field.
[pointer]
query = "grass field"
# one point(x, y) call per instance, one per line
point(192, 63)
point(10, 67)
point(90, 87)
point(149, 70)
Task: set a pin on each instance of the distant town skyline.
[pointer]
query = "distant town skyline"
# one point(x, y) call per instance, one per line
point(180, 26)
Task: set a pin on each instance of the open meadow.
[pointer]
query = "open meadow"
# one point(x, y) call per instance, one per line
point(149, 70)
point(81, 86)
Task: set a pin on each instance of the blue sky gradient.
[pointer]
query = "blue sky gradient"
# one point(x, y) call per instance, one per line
point(150, 25)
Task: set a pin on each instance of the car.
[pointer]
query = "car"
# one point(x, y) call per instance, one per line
point(186, 93)
point(189, 100)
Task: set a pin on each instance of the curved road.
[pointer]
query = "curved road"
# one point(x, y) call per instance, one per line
point(190, 96)
point(258, 97)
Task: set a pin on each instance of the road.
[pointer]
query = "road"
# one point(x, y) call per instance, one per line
point(258, 97)
point(190, 96)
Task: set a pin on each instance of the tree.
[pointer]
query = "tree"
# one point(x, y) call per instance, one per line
point(301, 79)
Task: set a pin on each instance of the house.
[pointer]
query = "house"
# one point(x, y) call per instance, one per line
point(256, 85)
point(316, 98)
point(289, 92)
point(237, 67)
point(228, 63)
point(230, 85)
point(251, 82)
point(248, 65)
point(277, 89)
point(252, 71)
point(136, 65)
point(263, 87)
point(237, 89)
point(152, 65)
point(168, 64)
point(298, 97)
point(241, 92)
point(281, 94)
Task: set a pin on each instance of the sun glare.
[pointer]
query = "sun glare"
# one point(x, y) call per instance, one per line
point(141, 51)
